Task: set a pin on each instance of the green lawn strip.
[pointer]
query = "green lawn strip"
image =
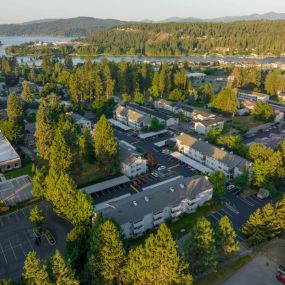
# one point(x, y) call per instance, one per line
point(187, 221)
point(25, 170)
point(224, 272)
point(7, 210)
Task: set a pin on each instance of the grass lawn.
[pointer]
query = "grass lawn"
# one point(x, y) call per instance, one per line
point(187, 221)
point(25, 170)
point(224, 272)
point(90, 173)
point(244, 123)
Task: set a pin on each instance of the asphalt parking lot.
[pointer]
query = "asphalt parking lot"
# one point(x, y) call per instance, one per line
point(17, 239)
point(238, 210)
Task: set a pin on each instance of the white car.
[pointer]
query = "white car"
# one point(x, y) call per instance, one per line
point(230, 187)
point(161, 167)
point(154, 174)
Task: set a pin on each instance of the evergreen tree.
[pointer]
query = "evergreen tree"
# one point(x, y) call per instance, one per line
point(226, 101)
point(156, 262)
point(106, 147)
point(45, 129)
point(37, 219)
point(253, 228)
point(226, 237)
point(112, 253)
point(200, 247)
point(218, 179)
point(139, 98)
point(61, 271)
point(34, 272)
point(27, 95)
point(86, 148)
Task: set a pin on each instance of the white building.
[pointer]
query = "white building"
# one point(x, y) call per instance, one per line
point(156, 204)
point(204, 127)
point(251, 95)
point(213, 157)
point(166, 105)
point(9, 158)
point(80, 121)
point(132, 163)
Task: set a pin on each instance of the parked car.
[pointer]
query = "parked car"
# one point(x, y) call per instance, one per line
point(230, 187)
point(138, 181)
point(281, 270)
point(155, 174)
point(280, 278)
point(135, 183)
point(161, 167)
point(143, 180)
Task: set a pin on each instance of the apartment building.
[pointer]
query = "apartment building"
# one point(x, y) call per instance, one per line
point(204, 127)
point(213, 157)
point(251, 95)
point(166, 105)
point(132, 163)
point(166, 200)
point(9, 158)
point(80, 121)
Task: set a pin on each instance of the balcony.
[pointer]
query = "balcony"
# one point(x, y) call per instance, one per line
point(175, 214)
point(158, 222)
point(138, 224)
point(138, 230)
point(158, 216)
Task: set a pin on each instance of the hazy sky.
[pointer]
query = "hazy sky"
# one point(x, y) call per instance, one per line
point(16, 11)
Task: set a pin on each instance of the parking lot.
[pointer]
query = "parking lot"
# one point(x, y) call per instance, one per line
point(17, 239)
point(238, 210)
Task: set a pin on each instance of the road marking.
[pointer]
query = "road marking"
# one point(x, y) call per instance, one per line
point(174, 166)
point(12, 249)
point(227, 213)
point(251, 199)
point(255, 199)
point(213, 216)
point(29, 241)
point(134, 188)
point(22, 249)
point(219, 214)
point(246, 202)
point(3, 253)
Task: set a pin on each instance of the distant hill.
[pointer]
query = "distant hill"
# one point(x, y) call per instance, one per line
point(252, 17)
point(80, 26)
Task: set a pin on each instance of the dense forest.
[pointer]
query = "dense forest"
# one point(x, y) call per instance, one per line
point(73, 27)
point(178, 39)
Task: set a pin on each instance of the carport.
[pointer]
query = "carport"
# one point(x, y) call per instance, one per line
point(106, 184)
point(191, 162)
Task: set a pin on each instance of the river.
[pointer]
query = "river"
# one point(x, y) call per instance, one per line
point(16, 40)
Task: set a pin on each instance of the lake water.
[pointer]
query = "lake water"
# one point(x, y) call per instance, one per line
point(16, 40)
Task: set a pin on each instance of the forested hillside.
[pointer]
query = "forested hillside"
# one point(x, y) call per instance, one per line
point(176, 39)
point(81, 26)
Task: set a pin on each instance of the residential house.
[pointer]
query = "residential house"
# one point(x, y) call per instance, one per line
point(9, 158)
point(158, 203)
point(213, 157)
point(132, 162)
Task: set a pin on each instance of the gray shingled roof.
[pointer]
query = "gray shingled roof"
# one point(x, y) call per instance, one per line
point(158, 198)
point(210, 150)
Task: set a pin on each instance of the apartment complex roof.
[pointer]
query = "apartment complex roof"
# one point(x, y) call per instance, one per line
point(168, 194)
point(7, 152)
point(231, 160)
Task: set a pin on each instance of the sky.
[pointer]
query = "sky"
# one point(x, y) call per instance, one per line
point(18, 11)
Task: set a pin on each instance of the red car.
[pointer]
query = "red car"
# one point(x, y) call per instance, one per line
point(281, 278)
point(138, 181)
point(143, 180)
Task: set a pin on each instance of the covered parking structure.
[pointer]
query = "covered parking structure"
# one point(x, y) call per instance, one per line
point(183, 158)
point(119, 125)
point(95, 188)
